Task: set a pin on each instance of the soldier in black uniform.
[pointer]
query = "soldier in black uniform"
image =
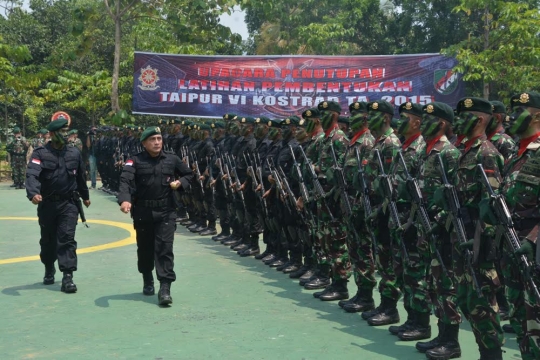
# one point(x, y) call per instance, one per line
point(206, 155)
point(146, 186)
point(54, 181)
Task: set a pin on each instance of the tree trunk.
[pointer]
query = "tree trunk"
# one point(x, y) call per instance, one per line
point(116, 66)
point(487, 25)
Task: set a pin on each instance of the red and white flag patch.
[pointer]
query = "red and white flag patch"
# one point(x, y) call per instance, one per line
point(129, 163)
point(36, 161)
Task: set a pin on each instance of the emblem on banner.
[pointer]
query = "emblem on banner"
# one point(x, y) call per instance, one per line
point(148, 79)
point(445, 81)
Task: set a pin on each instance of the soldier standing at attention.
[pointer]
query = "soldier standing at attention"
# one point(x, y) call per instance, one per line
point(480, 311)
point(521, 187)
point(146, 186)
point(54, 182)
point(18, 148)
point(74, 139)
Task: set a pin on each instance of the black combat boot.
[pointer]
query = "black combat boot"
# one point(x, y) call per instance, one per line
point(269, 250)
point(395, 330)
point(296, 274)
point(148, 284)
point(309, 275)
point(363, 303)
point(339, 291)
point(507, 328)
point(210, 230)
point(449, 346)
point(327, 289)
point(48, 278)
point(428, 345)
point(387, 315)
point(419, 329)
point(67, 283)
point(491, 354)
point(164, 294)
point(342, 303)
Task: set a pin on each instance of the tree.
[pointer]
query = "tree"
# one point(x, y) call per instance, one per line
point(504, 53)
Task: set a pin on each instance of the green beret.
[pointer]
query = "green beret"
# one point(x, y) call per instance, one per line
point(474, 104)
point(218, 125)
point(311, 113)
point(186, 122)
point(43, 131)
point(229, 116)
point(440, 110)
point(71, 132)
point(410, 108)
point(343, 120)
point(498, 107)
point(16, 129)
point(381, 106)
point(530, 99)
point(329, 106)
point(163, 122)
point(150, 131)
point(274, 122)
point(175, 121)
point(291, 120)
point(57, 124)
point(262, 120)
point(205, 127)
point(247, 120)
point(358, 106)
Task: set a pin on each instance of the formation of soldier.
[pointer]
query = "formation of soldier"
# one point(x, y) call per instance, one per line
point(442, 203)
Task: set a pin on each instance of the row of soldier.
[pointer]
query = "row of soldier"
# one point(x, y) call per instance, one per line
point(420, 205)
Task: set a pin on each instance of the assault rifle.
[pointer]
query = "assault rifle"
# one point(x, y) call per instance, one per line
point(252, 172)
point(197, 172)
point(279, 187)
point(420, 204)
point(456, 213)
point(78, 203)
point(303, 189)
point(219, 162)
point(364, 191)
point(389, 194)
point(505, 222)
point(236, 181)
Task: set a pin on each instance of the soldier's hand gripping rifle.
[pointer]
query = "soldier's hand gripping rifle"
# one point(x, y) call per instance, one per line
point(197, 172)
point(219, 162)
point(420, 204)
point(364, 193)
point(282, 194)
point(290, 195)
point(452, 201)
point(258, 181)
point(236, 184)
point(505, 222)
point(210, 174)
point(389, 195)
point(303, 189)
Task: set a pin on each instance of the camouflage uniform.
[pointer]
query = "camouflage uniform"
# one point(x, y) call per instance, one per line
point(18, 148)
point(360, 250)
point(503, 142)
point(388, 145)
point(482, 312)
point(37, 142)
point(332, 234)
point(76, 143)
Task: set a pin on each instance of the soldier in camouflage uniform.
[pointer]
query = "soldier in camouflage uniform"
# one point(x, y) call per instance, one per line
point(360, 249)
point(411, 275)
point(522, 189)
point(331, 229)
point(437, 119)
point(39, 140)
point(387, 143)
point(17, 149)
point(73, 139)
point(482, 312)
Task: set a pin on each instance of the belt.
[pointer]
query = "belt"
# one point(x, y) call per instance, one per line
point(153, 203)
point(57, 197)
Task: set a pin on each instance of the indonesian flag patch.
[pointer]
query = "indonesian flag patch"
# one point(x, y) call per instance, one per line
point(129, 163)
point(36, 161)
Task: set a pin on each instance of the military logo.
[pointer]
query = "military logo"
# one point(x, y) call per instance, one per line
point(468, 103)
point(158, 130)
point(243, 120)
point(375, 106)
point(524, 98)
point(269, 123)
point(357, 105)
point(430, 109)
point(408, 106)
point(213, 125)
point(445, 81)
point(302, 122)
point(308, 113)
point(288, 121)
point(325, 104)
point(148, 79)
point(258, 120)
point(61, 115)
point(226, 116)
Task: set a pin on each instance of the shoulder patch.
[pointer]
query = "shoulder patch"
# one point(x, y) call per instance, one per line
point(129, 162)
point(36, 161)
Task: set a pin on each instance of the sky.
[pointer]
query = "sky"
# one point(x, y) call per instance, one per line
point(236, 22)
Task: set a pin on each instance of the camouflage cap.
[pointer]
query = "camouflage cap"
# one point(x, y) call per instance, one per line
point(150, 131)
point(410, 108)
point(358, 106)
point(329, 106)
point(529, 99)
point(381, 106)
point(474, 104)
point(312, 113)
point(440, 110)
point(498, 107)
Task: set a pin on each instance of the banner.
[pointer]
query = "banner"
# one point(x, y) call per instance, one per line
point(281, 86)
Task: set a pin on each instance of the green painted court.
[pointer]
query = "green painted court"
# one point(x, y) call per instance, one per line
point(225, 307)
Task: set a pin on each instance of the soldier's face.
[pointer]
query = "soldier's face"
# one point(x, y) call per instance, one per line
point(470, 121)
point(60, 136)
point(430, 126)
point(153, 144)
point(520, 119)
point(376, 120)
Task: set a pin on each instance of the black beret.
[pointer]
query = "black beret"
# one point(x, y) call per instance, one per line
point(291, 120)
point(358, 106)
point(440, 110)
point(531, 99)
point(474, 104)
point(410, 108)
point(381, 106)
point(329, 106)
point(311, 113)
point(150, 131)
